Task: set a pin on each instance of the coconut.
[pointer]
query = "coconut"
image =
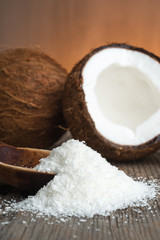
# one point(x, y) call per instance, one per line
point(31, 89)
point(112, 101)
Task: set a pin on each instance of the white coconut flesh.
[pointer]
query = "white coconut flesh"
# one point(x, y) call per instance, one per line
point(122, 93)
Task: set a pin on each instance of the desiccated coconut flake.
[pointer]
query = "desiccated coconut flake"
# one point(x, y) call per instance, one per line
point(85, 185)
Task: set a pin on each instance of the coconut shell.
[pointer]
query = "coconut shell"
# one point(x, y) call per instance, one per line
point(81, 124)
point(31, 89)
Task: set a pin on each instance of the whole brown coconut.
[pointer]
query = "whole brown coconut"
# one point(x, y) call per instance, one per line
point(76, 109)
point(31, 89)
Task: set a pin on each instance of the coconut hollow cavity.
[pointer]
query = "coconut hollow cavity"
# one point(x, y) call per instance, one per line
point(115, 103)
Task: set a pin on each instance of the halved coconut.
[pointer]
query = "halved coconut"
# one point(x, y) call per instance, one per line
point(112, 101)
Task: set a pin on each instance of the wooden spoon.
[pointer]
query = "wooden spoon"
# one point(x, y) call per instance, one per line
point(16, 167)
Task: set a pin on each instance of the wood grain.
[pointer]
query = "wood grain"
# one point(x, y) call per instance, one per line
point(67, 30)
point(143, 224)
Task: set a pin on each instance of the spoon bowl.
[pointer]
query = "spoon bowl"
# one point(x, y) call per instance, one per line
point(16, 167)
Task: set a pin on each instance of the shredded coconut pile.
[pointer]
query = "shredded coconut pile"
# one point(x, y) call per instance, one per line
point(85, 185)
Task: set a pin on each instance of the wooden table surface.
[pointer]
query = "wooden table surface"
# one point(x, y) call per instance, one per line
point(143, 224)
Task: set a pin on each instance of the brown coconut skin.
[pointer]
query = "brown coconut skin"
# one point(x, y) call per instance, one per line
point(81, 124)
point(31, 90)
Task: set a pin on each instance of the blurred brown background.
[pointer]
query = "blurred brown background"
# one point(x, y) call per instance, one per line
point(68, 29)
